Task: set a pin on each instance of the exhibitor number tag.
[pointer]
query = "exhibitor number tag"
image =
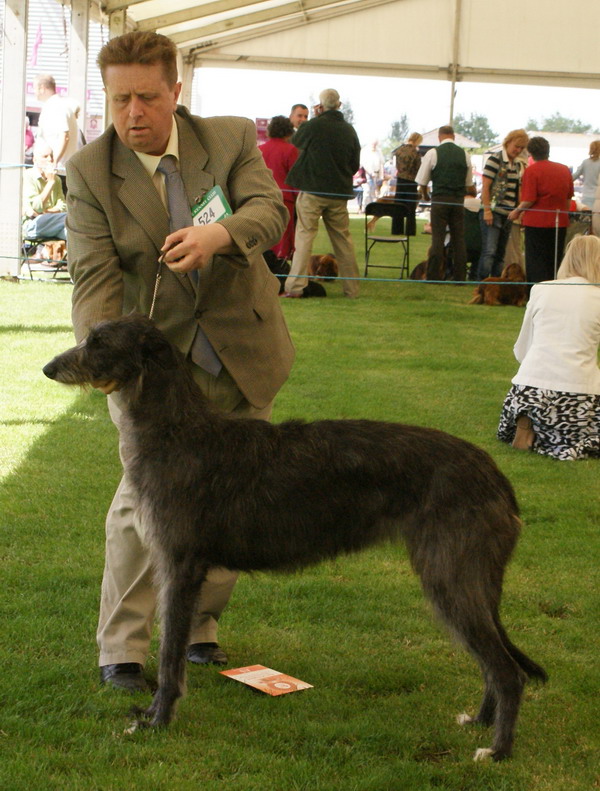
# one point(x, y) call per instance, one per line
point(212, 208)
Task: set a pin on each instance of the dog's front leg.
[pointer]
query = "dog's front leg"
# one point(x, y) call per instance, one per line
point(180, 584)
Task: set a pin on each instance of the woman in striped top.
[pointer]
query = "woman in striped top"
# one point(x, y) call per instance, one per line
point(499, 196)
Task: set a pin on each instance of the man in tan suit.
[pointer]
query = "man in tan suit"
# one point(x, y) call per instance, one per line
point(214, 283)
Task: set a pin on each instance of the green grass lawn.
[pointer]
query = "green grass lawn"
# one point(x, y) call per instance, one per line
point(387, 680)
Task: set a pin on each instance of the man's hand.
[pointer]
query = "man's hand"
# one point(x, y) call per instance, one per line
point(193, 247)
point(49, 175)
point(488, 217)
point(516, 213)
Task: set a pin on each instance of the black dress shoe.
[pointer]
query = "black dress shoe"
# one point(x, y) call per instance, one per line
point(206, 654)
point(126, 675)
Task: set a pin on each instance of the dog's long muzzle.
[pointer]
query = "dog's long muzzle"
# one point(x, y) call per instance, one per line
point(66, 368)
point(50, 370)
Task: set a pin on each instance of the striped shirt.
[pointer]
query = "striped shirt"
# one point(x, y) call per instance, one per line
point(505, 177)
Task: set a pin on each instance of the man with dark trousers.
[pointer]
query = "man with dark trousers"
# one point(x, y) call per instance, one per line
point(448, 167)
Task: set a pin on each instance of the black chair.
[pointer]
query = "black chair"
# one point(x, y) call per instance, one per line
point(45, 265)
point(399, 213)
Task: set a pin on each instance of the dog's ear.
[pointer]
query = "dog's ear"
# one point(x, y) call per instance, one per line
point(156, 349)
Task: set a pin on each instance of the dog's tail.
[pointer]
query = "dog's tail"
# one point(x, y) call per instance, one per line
point(477, 297)
point(531, 668)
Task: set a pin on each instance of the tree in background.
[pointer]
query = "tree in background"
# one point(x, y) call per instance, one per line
point(398, 134)
point(558, 123)
point(476, 127)
point(348, 112)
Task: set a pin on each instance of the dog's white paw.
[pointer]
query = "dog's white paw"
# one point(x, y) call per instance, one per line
point(483, 754)
point(464, 718)
point(132, 728)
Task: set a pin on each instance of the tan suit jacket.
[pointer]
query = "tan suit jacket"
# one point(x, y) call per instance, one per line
point(117, 224)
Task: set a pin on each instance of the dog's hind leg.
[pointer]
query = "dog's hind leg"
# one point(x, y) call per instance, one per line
point(503, 678)
point(461, 565)
point(180, 585)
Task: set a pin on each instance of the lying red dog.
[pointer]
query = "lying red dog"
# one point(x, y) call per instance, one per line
point(491, 291)
point(323, 267)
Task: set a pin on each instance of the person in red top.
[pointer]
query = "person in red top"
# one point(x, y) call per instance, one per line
point(279, 155)
point(546, 191)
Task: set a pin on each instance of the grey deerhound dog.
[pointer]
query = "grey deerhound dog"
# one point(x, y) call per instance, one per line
point(247, 495)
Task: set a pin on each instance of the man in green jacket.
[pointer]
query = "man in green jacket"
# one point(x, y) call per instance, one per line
point(329, 158)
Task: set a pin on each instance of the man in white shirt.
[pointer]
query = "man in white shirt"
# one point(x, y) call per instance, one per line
point(57, 124)
point(448, 167)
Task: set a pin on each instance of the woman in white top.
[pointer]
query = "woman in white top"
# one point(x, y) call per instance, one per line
point(553, 406)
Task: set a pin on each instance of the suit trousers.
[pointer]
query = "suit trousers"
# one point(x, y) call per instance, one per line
point(334, 211)
point(447, 211)
point(128, 596)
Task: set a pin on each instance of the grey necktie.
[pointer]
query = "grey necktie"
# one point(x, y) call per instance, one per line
point(180, 216)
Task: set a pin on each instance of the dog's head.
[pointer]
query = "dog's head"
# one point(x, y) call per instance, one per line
point(118, 351)
point(513, 272)
point(323, 266)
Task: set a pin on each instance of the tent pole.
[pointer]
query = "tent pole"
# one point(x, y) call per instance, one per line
point(455, 57)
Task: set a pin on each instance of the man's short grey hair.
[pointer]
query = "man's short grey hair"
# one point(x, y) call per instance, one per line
point(41, 146)
point(330, 99)
point(46, 81)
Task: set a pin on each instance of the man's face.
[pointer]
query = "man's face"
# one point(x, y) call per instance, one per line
point(43, 158)
point(142, 105)
point(298, 116)
point(40, 92)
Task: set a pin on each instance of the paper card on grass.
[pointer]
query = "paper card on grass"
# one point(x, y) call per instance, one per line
point(266, 680)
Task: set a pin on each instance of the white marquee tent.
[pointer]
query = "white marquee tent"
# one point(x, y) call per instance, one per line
point(539, 42)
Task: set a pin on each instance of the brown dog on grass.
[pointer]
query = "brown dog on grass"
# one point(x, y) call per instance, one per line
point(323, 267)
point(496, 291)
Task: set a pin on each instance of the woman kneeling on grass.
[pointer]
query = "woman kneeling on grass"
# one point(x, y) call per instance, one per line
point(553, 406)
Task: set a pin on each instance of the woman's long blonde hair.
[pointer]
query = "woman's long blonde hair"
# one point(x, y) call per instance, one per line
point(582, 259)
point(415, 139)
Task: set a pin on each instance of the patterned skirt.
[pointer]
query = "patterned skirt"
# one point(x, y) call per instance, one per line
point(566, 425)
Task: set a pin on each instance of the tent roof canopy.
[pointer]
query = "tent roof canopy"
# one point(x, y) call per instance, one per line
point(434, 39)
